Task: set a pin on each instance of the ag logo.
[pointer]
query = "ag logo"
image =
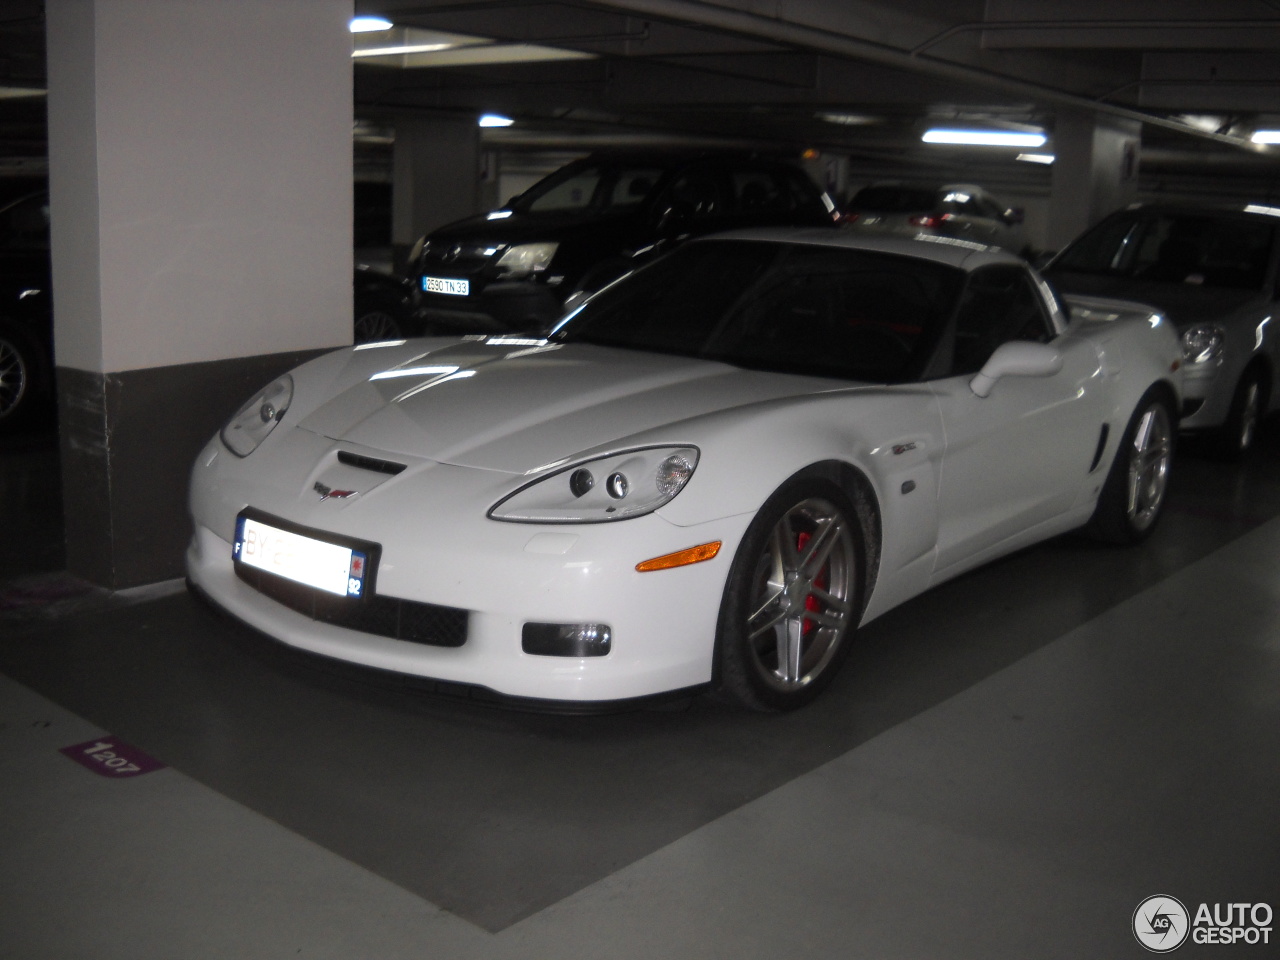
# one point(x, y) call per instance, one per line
point(1161, 923)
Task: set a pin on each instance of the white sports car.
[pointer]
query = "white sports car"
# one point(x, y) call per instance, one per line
point(706, 476)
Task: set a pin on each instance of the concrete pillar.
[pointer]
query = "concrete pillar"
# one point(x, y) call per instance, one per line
point(200, 176)
point(1095, 171)
point(436, 172)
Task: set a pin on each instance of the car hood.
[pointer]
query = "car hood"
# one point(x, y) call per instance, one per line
point(504, 404)
point(527, 227)
point(1183, 303)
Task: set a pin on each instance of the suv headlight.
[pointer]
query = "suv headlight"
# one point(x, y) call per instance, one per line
point(257, 418)
point(527, 258)
point(1203, 342)
point(617, 487)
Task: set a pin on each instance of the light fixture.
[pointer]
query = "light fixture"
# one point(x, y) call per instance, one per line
point(495, 120)
point(369, 24)
point(1266, 136)
point(984, 138)
point(403, 48)
point(1036, 157)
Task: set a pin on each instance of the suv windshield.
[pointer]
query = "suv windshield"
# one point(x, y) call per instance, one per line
point(596, 187)
point(1204, 249)
point(812, 310)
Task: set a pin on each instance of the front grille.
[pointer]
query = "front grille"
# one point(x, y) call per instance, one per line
point(425, 623)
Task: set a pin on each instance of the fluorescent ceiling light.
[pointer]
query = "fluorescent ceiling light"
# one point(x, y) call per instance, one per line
point(495, 120)
point(1260, 208)
point(1267, 136)
point(403, 48)
point(369, 24)
point(984, 138)
point(1036, 157)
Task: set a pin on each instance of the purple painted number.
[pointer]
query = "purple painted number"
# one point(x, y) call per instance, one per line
point(112, 758)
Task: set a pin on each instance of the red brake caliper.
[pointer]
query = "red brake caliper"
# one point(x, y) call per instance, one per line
point(810, 602)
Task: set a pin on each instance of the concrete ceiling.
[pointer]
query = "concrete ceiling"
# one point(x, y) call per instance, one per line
point(862, 78)
point(857, 78)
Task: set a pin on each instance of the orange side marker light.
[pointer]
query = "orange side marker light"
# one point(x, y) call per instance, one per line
point(681, 558)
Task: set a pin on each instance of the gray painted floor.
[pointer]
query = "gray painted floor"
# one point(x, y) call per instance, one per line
point(1006, 767)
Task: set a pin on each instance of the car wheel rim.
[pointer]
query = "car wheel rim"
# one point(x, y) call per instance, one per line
point(13, 378)
point(802, 595)
point(1149, 466)
point(1249, 416)
point(376, 325)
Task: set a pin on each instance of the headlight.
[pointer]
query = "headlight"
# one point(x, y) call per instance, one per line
point(526, 258)
point(1203, 342)
point(257, 418)
point(617, 487)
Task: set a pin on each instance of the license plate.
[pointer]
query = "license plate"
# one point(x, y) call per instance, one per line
point(455, 288)
point(316, 563)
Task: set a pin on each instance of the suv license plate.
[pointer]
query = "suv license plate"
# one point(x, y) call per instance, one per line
point(456, 288)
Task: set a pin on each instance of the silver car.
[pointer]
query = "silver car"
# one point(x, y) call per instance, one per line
point(960, 210)
point(1213, 272)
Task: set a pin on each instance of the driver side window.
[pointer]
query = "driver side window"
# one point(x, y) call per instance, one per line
point(999, 304)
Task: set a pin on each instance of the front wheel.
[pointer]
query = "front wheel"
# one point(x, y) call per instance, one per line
point(1241, 429)
point(1133, 496)
point(793, 599)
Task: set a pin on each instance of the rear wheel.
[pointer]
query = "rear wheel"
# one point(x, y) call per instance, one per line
point(793, 599)
point(1133, 496)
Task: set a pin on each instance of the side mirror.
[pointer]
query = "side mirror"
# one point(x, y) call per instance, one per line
point(1017, 358)
point(674, 216)
point(1014, 216)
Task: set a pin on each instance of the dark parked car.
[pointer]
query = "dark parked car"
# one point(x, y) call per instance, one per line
point(959, 210)
point(26, 312)
point(592, 221)
point(384, 308)
point(1213, 272)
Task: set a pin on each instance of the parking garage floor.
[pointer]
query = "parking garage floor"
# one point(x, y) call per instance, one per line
point(1006, 767)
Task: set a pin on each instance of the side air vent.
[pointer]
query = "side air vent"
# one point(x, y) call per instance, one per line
point(369, 463)
point(1102, 445)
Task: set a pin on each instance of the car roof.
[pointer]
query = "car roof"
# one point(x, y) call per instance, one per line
point(962, 254)
point(1193, 208)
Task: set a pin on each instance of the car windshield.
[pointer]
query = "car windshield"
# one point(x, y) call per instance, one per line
point(1203, 249)
point(599, 188)
point(789, 308)
point(894, 199)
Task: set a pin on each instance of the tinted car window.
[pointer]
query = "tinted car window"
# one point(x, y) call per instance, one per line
point(1203, 249)
point(599, 188)
point(792, 309)
point(894, 199)
point(999, 304)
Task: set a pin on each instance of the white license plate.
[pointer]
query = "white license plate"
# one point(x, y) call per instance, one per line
point(326, 566)
point(455, 288)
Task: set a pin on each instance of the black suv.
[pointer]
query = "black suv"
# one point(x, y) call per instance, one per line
point(591, 221)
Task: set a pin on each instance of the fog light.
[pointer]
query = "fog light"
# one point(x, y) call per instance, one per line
point(566, 639)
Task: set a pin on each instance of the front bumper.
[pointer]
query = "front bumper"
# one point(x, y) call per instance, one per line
point(505, 574)
point(496, 308)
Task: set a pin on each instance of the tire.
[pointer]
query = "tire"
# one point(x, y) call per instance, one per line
point(785, 624)
point(375, 322)
point(1238, 435)
point(1133, 497)
point(22, 378)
